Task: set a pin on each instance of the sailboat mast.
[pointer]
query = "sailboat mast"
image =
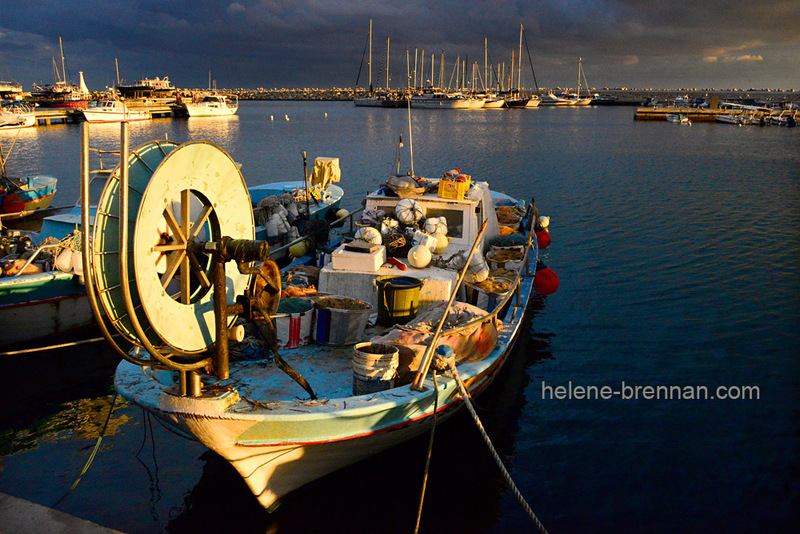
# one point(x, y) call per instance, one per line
point(422, 69)
point(387, 63)
point(116, 64)
point(485, 63)
point(63, 68)
point(579, 77)
point(441, 70)
point(370, 56)
point(519, 60)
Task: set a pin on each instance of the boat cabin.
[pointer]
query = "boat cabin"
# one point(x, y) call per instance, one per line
point(354, 274)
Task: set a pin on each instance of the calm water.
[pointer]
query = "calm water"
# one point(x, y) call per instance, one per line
point(678, 250)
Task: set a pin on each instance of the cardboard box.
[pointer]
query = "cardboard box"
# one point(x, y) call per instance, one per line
point(344, 260)
point(452, 189)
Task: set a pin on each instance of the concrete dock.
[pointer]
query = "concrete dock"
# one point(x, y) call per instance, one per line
point(18, 516)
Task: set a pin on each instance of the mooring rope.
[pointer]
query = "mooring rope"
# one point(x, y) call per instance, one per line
point(443, 361)
point(430, 449)
point(91, 456)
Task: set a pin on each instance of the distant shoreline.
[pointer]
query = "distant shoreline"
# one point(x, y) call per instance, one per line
point(623, 96)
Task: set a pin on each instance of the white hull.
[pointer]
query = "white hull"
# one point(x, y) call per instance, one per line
point(494, 103)
point(116, 113)
point(24, 120)
point(438, 102)
point(217, 108)
point(533, 102)
point(287, 445)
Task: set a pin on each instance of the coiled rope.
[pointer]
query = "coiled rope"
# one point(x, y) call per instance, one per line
point(445, 359)
point(91, 456)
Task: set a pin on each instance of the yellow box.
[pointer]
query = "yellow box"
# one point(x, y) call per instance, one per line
point(452, 189)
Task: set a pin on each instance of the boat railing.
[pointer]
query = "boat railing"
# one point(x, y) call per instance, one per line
point(513, 292)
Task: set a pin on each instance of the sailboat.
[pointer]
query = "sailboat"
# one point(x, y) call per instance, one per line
point(569, 99)
point(370, 100)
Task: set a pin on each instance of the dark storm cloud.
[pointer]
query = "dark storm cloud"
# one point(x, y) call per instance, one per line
point(310, 43)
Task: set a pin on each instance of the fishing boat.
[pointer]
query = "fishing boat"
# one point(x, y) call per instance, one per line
point(27, 193)
point(214, 105)
point(329, 390)
point(114, 111)
point(42, 283)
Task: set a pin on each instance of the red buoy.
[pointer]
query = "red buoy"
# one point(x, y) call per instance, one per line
point(545, 281)
point(543, 238)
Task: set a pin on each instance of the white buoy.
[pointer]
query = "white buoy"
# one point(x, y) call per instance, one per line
point(419, 256)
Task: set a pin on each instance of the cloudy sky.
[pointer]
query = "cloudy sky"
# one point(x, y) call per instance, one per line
point(319, 43)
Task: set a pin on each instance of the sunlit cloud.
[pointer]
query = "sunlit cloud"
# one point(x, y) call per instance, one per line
point(746, 57)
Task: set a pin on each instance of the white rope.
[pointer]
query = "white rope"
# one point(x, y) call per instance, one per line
point(451, 364)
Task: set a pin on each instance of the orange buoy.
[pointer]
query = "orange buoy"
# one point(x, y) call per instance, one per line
point(545, 282)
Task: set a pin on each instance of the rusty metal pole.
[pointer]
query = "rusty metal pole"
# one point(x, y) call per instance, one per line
point(220, 317)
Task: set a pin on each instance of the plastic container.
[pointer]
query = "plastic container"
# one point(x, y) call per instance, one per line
point(339, 320)
point(509, 258)
point(486, 299)
point(452, 189)
point(398, 299)
point(374, 367)
point(293, 323)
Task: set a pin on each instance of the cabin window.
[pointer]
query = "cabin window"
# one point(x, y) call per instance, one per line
point(455, 220)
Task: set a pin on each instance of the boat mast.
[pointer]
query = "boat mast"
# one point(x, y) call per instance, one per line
point(422, 69)
point(519, 60)
point(370, 56)
point(485, 63)
point(441, 70)
point(579, 77)
point(387, 63)
point(63, 68)
point(433, 61)
point(116, 64)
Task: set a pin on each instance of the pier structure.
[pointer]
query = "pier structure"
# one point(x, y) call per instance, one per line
point(48, 116)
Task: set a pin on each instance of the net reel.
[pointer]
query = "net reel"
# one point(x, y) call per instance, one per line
point(172, 248)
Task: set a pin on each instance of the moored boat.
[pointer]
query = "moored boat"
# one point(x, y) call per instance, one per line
point(679, 118)
point(326, 404)
point(114, 111)
point(435, 99)
point(214, 105)
point(27, 193)
point(20, 115)
point(42, 280)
